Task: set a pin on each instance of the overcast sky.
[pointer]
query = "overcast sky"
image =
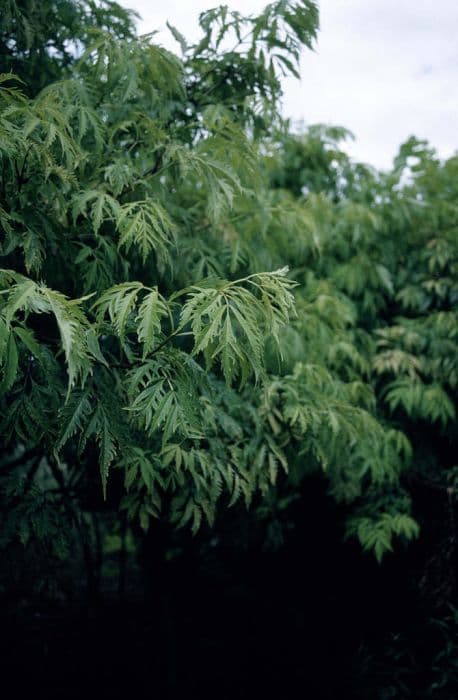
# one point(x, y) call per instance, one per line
point(385, 69)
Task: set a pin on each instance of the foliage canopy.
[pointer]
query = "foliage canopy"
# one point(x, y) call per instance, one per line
point(200, 304)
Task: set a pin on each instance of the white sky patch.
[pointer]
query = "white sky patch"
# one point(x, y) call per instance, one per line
point(385, 69)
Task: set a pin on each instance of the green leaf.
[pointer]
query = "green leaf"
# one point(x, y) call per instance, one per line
point(231, 323)
point(150, 313)
point(119, 303)
point(28, 339)
point(9, 365)
point(72, 324)
point(146, 226)
point(178, 37)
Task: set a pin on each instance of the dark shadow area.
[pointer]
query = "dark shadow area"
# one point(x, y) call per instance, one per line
point(218, 616)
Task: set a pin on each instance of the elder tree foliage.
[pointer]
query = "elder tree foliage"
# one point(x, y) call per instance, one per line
point(149, 323)
point(124, 322)
point(380, 267)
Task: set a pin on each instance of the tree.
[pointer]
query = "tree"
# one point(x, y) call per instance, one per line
point(41, 41)
point(146, 200)
point(123, 343)
point(387, 250)
point(201, 308)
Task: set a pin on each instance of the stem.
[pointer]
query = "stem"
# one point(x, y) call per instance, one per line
point(73, 513)
point(122, 559)
point(151, 172)
point(210, 70)
point(31, 474)
point(21, 180)
point(98, 549)
point(175, 333)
